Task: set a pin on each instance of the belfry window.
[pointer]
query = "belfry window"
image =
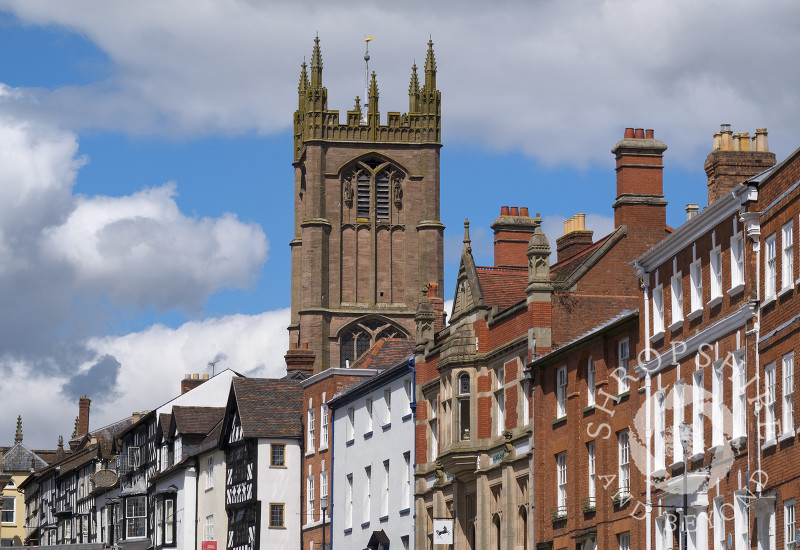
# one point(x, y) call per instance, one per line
point(360, 337)
point(380, 176)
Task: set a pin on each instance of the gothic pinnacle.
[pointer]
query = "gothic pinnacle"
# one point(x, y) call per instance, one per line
point(303, 78)
point(18, 435)
point(414, 86)
point(430, 68)
point(467, 241)
point(316, 64)
point(373, 94)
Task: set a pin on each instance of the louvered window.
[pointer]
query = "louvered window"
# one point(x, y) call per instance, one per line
point(382, 196)
point(362, 184)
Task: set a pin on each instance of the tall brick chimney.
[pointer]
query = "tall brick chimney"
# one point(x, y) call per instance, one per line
point(575, 239)
point(735, 157)
point(83, 415)
point(640, 188)
point(191, 381)
point(300, 359)
point(512, 231)
point(438, 307)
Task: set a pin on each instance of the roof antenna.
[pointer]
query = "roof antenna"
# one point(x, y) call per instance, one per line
point(365, 106)
point(213, 365)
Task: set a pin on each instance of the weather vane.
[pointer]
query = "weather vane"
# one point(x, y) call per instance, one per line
point(365, 106)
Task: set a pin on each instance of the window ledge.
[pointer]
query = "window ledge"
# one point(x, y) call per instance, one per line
point(620, 396)
point(768, 301)
point(784, 290)
point(676, 325)
point(784, 437)
point(660, 473)
point(657, 336)
point(407, 417)
point(714, 302)
point(310, 453)
point(714, 448)
point(588, 408)
point(368, 434)
point(405, 511)
point(697, 456)
point(350, 442)
point(678, 464)
point(733, 291)
point(323, 447)
point(695, 314)
point(386, 426)
point(559, 420)
point(348, 530)
point(383, 519)
point(738, 442)
point(769, 444)
point(365, 525)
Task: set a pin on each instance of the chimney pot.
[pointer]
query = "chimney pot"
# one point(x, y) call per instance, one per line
point(195, 376)
point(761, 140)
point(691, 211)
point(305, 345)
point(504, 210)
point(187, 376)
point(581, 219)
point(523, 211)
point(293, 345)
point(205, 376)
point(628, 133)
point(514, 211)
point(649, 133)
point(638, 133)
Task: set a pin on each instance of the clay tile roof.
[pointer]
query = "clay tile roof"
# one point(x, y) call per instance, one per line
point(503, 286)
point(385, 353)
point(197, 420)
point(269, 407)
point(164, 421)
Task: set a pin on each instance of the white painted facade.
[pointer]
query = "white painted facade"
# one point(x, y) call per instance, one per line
point(372, 481)
point(279, 485)
point(212, 520)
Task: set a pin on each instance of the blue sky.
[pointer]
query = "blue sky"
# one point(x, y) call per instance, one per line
point(148, 158)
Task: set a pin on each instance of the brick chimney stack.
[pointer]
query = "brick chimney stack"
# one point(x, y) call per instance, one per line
point(438, 307)
point(300, 359)
point(640, 188)
point(575, 239)
point(83, 415)
point(512, 231)
point(736, 157)
point(191, 381)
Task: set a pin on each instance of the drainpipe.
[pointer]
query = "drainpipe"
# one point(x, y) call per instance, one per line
point(332, 447)
point(648, 515)
point(413, 405)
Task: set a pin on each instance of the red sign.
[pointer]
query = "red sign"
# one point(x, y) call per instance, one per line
point(209, 545)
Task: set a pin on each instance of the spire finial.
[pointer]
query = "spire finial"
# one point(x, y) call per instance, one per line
point(430, 68)
point(316, 64)
point(413, 91)
point(18, 435)
point(467, 241)
point(373, 94)
point(303, 77)
point(367, 40)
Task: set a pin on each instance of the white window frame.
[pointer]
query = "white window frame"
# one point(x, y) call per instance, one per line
point(386, 486)
point(310, 515)
point(715, 273)
point(407, 386)
point(719, 524)
point(788, 393)
point(406, 485)
point(739, 391)
point(717, 434)
point(591, 382)
point(500, 401)
point(789, 525)
point(323, 421)
point(623, 365)
point(368, 407)
point(770, 273)
point(524, 388)
point(677, 419)
point(350, 426)
point(770, 417)
point(209, 473)
point(13, 508)
point(365, 511)
point(696, 277)
point(348, 502)
point(387, 403)
point(592, 468)
point(624, 540)
point(310, 430)
point(698, 414)
point(660, 432)
point(676, 292)
point(658, 310)
point(135, 523)
point(561, 392)
point(561, 481)
point(624, 444)
point(737, 260)
point(787, 255)
point(208, 531)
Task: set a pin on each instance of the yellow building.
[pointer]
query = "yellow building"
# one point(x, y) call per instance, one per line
point(16, 464)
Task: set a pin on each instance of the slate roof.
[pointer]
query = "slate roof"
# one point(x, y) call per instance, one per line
point(503, 286)
point(398, 369)
point(18, 459)
point(269, 407)
point(385, 353)
point(196, 420)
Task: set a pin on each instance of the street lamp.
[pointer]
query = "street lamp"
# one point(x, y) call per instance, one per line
point(323, 504)
point(686, 437)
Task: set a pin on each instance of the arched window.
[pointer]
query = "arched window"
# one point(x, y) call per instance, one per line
point(464, 388)
point(496, 542)
point(522, 528)
point(361, 336)
point(378, 175)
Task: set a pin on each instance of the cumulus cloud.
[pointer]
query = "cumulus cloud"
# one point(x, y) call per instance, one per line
point(550, 79)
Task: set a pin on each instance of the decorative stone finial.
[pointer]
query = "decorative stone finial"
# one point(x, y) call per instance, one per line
point(467, 241)
point(18, 435)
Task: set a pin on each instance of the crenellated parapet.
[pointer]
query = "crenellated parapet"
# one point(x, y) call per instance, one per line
point(313, 121)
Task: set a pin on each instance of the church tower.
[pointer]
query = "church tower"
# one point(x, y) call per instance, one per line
point(367, 234)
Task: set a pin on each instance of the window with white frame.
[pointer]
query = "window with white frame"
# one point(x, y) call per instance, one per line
point(524, 391)
point(409, 398)
point(350, 427)
point(348, 502)
point(385, 494)
point(323, 422)
point(464, 409)
point(9, 510)
point(310, 499)
point(590, 382)
point(739, 386)
point(433, 426)
point(367, 494)
point(592, 472)
point(210, 472)
point(698, 401)
point(624, 464)
point(676, 288)
point(662, 542)
point(789, 525)
point(737, 260)
point(623, 357)
point(769, 402)
point(310, 431)
point(135, 517)
point(696, 276)
point(323, 485)
point(387, 402)
point(406, 486)
point(561, 476)
point(660, 433)
point(719, 524)
point(787, 258)
point(716, 406)
point(368, 406)
point(500, 402)
point(624, 540)
point(788, 393)
point(561, 392)
point(208, 532)
point(769, 268)
point(677, 420)
point(716, 272)
point(658, 309)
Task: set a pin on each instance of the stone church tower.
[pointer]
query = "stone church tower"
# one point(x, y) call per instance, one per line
point(367, 232)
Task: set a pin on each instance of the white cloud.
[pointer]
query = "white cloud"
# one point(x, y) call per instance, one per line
point(550, 79)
